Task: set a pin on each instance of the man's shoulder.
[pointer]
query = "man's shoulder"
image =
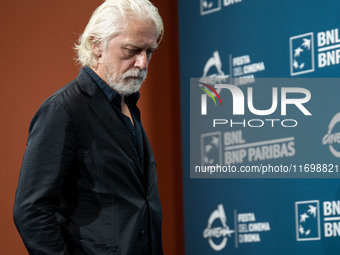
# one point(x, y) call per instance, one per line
point(70, 102)
point(75, 92)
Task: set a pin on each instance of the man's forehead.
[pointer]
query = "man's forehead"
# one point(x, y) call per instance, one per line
point(140, 28)
point(140, 33)
point(138, 39)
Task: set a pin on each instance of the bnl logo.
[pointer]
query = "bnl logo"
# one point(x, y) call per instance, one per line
point(301, 49)
point(307, 217)
point(209, 6)
point(211, 148)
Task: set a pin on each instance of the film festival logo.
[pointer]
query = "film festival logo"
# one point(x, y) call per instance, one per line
point(243, 70)
point(212, 71)
point(332, 138)
point(217, 231)
point(247, 229)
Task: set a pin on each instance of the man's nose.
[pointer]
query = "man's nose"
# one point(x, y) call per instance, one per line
point(142, 60)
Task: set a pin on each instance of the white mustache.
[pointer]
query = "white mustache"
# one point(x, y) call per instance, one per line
point(134, 73)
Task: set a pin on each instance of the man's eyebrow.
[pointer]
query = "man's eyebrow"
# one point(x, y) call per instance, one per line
point(152, 48)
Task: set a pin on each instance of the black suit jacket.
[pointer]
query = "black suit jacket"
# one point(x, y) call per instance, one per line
point(81, 189)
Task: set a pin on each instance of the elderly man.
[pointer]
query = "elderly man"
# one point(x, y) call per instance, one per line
point(88, 183)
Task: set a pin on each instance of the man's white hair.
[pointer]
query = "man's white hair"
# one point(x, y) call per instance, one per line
point(109, 20)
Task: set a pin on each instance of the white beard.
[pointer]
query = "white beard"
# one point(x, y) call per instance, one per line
point(128, 83)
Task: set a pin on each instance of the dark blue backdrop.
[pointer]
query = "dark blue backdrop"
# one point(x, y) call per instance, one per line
point(223, 40)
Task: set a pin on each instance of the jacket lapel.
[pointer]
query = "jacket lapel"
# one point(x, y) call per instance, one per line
point(103, 110)
point(149, 163)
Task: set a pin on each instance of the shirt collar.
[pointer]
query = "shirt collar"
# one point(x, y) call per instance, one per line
point(111, 95)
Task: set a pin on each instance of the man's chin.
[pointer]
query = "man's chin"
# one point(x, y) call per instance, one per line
point(128, 86)
point(128, 92)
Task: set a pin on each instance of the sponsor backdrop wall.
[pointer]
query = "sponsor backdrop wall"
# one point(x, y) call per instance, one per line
point(261, 126)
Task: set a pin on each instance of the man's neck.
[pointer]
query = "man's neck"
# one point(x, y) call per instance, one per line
point(126, 110)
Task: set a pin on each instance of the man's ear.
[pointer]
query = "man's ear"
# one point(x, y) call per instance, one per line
point(97, 48)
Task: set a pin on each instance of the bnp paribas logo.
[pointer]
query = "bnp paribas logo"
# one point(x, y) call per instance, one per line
point(210, 6)
point(307, 215)
point(301, 54)
point(314, 50)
